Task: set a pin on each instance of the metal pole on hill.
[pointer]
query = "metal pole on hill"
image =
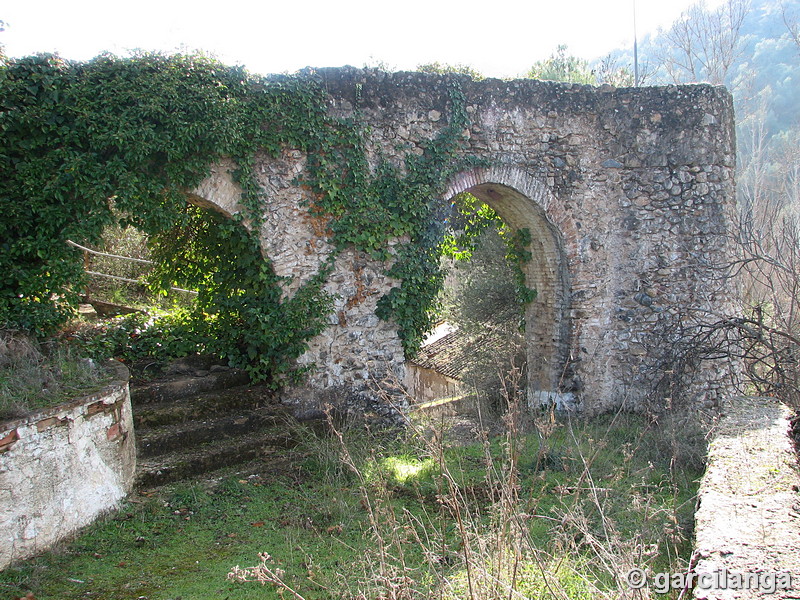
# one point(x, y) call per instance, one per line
point(635, 50)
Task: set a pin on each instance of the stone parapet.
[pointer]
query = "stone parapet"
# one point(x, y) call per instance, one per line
point(62, 467)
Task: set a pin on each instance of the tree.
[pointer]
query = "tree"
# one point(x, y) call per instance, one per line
point(703, 44)
point(792, 25)
point(486, 292)
point(486, 306)
point(563, 67)
point(438, 68)
point(608, 71)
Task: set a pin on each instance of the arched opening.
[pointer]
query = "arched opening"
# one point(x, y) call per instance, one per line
point(521, 203)
point(546, 316)
point(118, 271)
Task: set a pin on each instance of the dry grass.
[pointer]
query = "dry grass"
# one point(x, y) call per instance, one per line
point(35, 375)
point(504, 534)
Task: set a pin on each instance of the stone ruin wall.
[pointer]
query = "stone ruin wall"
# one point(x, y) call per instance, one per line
point(628, 193)
point(63, 467)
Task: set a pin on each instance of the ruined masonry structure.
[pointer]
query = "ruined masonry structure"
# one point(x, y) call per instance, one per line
point(628, 195)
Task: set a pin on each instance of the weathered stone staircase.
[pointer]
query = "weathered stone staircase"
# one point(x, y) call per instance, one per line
point(197, 420)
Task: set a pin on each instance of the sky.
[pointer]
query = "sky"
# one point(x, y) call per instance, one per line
point(500, 38)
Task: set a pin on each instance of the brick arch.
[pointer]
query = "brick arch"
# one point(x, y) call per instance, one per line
point(524, 202)
point(627, 192)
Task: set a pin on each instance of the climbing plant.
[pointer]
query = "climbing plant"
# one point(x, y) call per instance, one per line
point(471, 222)
point(469, 219)
point(136, 133)
point(239, 313)
point(517, 255)
point(369, 209)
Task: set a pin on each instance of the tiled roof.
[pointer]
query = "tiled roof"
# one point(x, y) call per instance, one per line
point(454, 352)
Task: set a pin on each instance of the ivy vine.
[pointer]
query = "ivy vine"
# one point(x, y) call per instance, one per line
point(517, 255)
point(136, 133)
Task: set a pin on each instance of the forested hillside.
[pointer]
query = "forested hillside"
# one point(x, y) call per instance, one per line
point(751, 46)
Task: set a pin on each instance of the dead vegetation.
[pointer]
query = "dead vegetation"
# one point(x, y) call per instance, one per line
point(554, 507)
point(35, 375)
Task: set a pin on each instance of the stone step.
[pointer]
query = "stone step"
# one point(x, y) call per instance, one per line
point(199, 418)
point(205, 458)
point(168, 438)
point(201, 406)
point(172, 388)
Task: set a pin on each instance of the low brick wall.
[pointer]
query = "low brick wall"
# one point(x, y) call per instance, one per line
point(62, 467)
point(747, 526)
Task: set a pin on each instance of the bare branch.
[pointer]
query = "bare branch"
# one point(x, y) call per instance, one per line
point(792, 25)
point(702, 45)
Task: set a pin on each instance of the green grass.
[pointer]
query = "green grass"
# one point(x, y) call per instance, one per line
point(315, 519)
point(184, 541)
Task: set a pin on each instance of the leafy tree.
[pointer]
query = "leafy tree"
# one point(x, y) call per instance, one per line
point(486, 293)
point(486, 307)
point(563, 67)
point(442, 68)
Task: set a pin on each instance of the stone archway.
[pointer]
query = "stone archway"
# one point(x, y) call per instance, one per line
point(522, 202)
point(627, 194)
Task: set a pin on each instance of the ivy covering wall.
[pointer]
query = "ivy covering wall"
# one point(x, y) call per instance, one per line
point(84, 142)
